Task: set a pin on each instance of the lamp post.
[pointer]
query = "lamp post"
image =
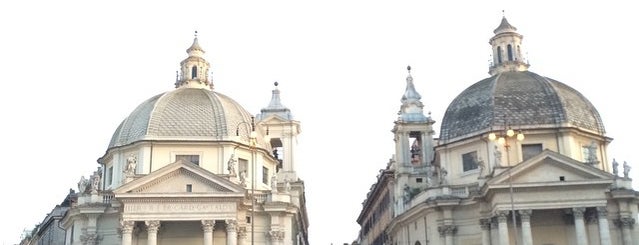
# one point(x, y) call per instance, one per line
point(252, 145)
point(502, 139)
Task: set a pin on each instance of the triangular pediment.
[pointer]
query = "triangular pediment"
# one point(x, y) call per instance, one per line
point(173, 179)
point(551, 167)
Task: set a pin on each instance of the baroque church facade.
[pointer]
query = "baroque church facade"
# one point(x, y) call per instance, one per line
point(520, 159)
point(192, 166)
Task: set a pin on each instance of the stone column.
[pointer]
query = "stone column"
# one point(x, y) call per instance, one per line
point(241, 234)
point(502, 225)
point(626, 224)
point(231, 232)
point(525, 226)
point(604, 229)
point(580, 227)
point(126, 226)
point(485, 231)
point(207, 227)
point(447, 231)
point(152, 227)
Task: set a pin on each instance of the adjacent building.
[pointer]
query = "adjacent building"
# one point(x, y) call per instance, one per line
point(520, 159)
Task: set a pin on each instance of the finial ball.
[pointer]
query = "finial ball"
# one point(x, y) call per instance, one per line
point(275, 83)
point(408, 68)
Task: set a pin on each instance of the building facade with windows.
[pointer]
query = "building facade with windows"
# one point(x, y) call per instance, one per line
point(192, 166)
point(520, 159)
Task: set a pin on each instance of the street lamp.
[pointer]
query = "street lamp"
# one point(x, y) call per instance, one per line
point(502, 139)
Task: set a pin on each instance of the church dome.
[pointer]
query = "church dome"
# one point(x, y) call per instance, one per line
point(191, 112)
point(521, 99)
point(182, 114)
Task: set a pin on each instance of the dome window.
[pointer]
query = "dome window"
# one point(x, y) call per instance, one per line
point(510, 53)
point(469, 161)
point(498, 54)
point(530, 150)
point(194, 72)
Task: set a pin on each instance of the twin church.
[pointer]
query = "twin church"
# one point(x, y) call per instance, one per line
point(520, 159)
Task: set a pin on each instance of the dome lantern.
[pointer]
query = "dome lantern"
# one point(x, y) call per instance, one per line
point(194, 69)
point(507, 49)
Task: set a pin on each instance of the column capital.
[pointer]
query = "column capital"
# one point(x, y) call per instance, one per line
point(241, 232)
point(90, 239)
point(208, 225)
point(276, 235)
point(447, 230)
point(578, 212)
point(625, 222)
point(152, 225)
point(602, 212)
point(502, 216)
point(525, 214)
point(126, 226)
point(231, 224)
point(485, 223)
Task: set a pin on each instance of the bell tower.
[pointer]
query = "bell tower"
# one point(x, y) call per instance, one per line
point(413, 145)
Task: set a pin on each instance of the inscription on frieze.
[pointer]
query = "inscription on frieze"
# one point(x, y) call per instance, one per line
point(179, 207)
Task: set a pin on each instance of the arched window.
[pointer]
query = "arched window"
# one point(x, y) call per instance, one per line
point(418, 243)
point(194, 72)
point(510, 53)
point(498, 54)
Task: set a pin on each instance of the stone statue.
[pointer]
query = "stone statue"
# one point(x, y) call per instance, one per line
point(406, 193)
point(626, 169)
point(82, 185)
point(615, 167)
point(287, 185)
point(95, 182)
point(442, 178)
point(231, 165)
point(481, 165)
point(497, 155)
point(243, 178)
point(131, 164)
point(274, 183)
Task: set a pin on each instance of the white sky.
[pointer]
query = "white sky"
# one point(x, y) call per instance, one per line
point(73, 70)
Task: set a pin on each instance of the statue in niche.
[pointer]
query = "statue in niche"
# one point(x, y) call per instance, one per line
point(497, 154)
point(615, 167)
point(82, 185)
point(626, 169)
point(231, 165)
point(131, 164)
point(591, 153)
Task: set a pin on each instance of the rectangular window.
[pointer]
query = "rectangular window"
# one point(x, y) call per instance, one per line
point(109, 175)
point(530, 150)
point(190, 158)
point(265, 175)
point(189, 188)
point(469, 161)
